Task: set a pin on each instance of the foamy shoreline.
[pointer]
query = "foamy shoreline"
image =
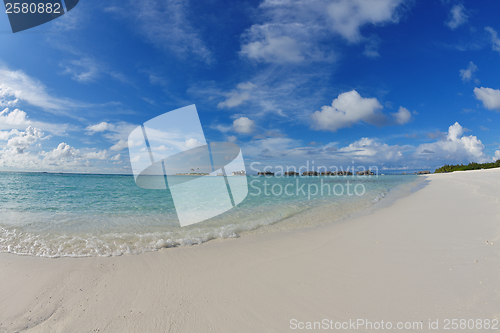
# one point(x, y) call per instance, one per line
point(430, 256)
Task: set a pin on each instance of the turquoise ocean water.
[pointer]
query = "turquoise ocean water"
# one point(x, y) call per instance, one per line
point(76, 215)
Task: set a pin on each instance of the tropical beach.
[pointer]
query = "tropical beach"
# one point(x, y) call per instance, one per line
point(249, 166)
point(430, 258)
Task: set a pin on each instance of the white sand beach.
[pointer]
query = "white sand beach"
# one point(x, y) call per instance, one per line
point(431, 256)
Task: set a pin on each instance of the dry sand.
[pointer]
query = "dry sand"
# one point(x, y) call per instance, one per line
point(433, 255)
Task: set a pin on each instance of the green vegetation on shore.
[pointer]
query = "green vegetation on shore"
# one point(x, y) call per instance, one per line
point(470, 166)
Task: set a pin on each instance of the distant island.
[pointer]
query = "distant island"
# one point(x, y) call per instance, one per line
point(193, 174)
point(470, 166)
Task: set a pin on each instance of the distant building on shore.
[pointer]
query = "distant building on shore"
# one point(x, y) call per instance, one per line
point(327, 173)
point(266, 173)
point(291, 173)
point(239, 173)
point(425, 172)
point(365, 173)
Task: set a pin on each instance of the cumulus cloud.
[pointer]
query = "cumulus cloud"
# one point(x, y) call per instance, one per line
point(490, 97)
point(193, 143)
point(467, 74)
point(244, 125)
point(22, 140)
point(13, 119)
point(403, 116)
point(347, 109)
point(18, 141)
point(495, 41)
point(497, 155)
point(457, 17)
point(457, 146)
point(291, 31)
point(63, 151)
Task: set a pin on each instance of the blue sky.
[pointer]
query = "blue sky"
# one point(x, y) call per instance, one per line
point(402, 85)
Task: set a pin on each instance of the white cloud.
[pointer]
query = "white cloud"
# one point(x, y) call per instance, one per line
point(83, 70)
point(348, 16)
point(63, 151)
point(497, 155)
point(347, 109)
point(116, 157)
point(244, 125)
point(274, 91)
point(238, 96)
point(193, 143)
point(101, 127)
point(13, 118)
point(5, 93)
point(456, 146)
point(466, 74)
point(269, 48)
point(115, 132)
point(269, 147)
point(403, 116)
point(18, 85)
point(18, 119)
point(495, 41)
point(489, 97)
point(120, 145)
point(22, 140)
point(86, 69)
point(232, 138)
point(63, 155)
point(77, 19)
point(222, 128)
point(4, 136)
point(291, 31)
point(95, 155)
point(370, 150)
point(166, 24)
point(457, 16)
